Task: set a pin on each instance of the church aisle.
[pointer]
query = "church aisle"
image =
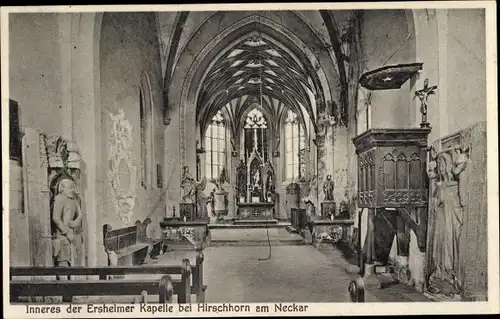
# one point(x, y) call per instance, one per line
point(292, 274)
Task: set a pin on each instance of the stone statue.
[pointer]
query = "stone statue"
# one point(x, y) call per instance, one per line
point(256, 179)
point(446, 207)
point(241, 179)
point(311, 200)
point(328, 188)
point(66, 216)
point(201, 198)
point(221, 179)
point(188, 186)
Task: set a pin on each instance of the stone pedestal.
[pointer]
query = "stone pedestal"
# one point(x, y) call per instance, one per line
point(220, 207)
point(231, 204)
point(416, 266)
point(292, 197)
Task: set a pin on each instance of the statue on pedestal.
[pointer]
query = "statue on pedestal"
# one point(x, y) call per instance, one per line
point(188, 186)
point(328, 188)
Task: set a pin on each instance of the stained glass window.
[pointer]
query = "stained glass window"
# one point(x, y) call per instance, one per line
point(256, 133)
point(215, 146)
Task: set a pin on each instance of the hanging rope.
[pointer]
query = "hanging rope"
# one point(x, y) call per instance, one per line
point(261, 96)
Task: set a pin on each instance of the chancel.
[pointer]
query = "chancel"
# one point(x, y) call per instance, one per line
point(189, 145)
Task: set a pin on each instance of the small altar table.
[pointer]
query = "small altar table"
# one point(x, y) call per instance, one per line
point(185, 235)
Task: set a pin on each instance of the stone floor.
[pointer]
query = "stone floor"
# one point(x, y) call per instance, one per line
point(293, 273)
point(254, 237)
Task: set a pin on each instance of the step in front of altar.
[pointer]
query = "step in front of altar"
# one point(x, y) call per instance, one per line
point(248, 224)
point(254, 237)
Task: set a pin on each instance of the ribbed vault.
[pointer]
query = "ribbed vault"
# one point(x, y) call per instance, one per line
point(251, 67)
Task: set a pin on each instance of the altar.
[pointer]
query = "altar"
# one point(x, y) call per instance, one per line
point(256, 196)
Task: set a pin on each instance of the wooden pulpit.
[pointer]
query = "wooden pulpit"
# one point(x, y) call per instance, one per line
point(393, 187)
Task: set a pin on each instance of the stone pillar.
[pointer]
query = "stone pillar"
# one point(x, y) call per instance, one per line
point(64, 160)
point(230, 193)
point(324, 144)
point(37, 200)
point(19, 243)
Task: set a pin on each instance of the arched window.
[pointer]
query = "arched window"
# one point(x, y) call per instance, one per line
point(294, 146)
point(215, 146)
point(256, 133)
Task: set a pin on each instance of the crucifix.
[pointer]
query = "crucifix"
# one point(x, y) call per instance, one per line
point(423, 95)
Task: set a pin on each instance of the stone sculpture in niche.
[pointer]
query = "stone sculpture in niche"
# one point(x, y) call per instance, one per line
point(445, 271)
point(66, 216)
point(65, 203)
point(311, 199)
point(122, 168)
point(188, 186)
point(328, 188)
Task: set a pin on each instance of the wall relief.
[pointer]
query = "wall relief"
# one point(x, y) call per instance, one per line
point(446, 207)
point(122, 168)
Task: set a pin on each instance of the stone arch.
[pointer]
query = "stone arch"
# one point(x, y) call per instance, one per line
point(86, 89)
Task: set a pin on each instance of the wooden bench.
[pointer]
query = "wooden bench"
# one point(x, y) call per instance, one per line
point(190, 282)
point(125, 244)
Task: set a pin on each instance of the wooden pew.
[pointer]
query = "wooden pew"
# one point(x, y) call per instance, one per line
point(125, 244)
point(190, 282)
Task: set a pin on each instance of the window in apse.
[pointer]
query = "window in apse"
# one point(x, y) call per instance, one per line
point(294, 143)
point(255, 130)
point(215, 146)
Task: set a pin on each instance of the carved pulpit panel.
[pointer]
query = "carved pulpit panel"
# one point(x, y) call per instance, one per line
point(392, 175)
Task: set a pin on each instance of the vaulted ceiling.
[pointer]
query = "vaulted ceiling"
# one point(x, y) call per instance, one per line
point(257, 68)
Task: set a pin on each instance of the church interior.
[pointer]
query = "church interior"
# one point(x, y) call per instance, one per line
point(336, 138)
